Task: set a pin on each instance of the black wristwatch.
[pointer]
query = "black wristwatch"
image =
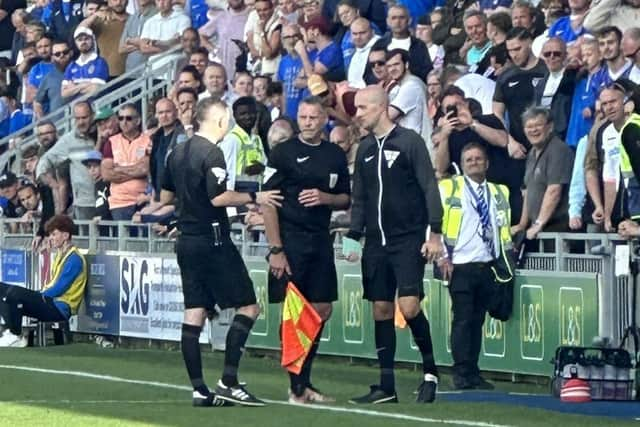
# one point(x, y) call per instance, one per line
point(273, 250)
point(253, 196)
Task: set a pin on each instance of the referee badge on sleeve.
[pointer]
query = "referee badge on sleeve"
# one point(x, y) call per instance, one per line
point(333, 180)
point(268, 173)
point(220, 174)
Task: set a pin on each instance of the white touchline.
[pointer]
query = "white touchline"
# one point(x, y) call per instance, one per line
point(350, 410)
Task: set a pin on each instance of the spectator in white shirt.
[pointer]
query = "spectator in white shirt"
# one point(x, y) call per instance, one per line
point(424, 31)
point(363, 38)
point(162, 31)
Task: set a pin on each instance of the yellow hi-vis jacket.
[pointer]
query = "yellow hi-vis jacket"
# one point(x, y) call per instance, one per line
point(74, 293)
point(451, 196)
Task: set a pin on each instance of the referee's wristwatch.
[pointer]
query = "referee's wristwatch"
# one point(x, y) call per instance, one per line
point(274, 250)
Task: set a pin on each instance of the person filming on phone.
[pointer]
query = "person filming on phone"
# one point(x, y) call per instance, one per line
point(457, 128)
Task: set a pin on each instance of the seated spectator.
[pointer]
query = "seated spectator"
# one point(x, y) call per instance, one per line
point(17, 118)
point(130, 40)
point(243, 151)
point(242, 85)
point(162, 31)
point(199, 58)
point(37, 205)
point(48, 97)
point(187, 78)
point(92, 161)
point(89, 72)
point(59, 299)
point(125, 164)
point(346, 138)
point(215, 83)
point(29, 155)
point(9, 192)
point(326, 58)
point(70, 149)
point(475, 49)
point(186, 105)
point(260, 86)
point(263, 39)
point(498, 25)
point(547, 177)
point(424, 32)
point(169, 134)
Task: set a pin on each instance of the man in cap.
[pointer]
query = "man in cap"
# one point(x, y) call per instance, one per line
point(89, 71)
point(106, 125)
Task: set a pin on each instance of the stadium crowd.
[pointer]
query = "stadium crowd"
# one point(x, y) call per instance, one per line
point(547, 88)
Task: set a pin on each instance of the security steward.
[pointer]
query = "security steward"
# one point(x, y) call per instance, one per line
point(313, 176)
point(476, 226)
point(395, 200)
point(211, 267)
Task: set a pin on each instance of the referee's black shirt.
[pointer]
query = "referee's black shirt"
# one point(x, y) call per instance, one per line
point(294, 166)
point(196, 173)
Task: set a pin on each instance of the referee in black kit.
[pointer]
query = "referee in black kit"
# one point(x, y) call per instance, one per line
point(211, 267)
point(313, 176)
point(395, 199)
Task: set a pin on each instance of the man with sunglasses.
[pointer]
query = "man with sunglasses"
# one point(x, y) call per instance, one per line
point(555, 91)
point(48, 96)
point(288, 70)
point(631, 49)
point(125, 164)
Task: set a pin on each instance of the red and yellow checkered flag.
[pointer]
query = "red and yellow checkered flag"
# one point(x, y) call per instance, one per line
point(300, 326)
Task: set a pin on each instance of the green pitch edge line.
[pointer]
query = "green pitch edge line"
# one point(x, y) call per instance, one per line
point(336, 409)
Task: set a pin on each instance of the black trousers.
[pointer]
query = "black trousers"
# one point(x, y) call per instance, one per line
point(16, 302)
point(471, 289)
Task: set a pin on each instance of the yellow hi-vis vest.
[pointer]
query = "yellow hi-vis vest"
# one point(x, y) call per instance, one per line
point(73, 296)
point(625, 163)
point(451, 196)
point(250, 150)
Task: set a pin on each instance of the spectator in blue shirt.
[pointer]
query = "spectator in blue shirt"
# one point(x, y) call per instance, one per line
point(17, 119)
point(39, 70)
point(288, 70)
point(48, 97)
point(569, 28)
point(326, 60)
point(89, 72)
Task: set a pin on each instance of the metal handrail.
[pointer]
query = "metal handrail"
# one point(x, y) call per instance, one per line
point(143, 79)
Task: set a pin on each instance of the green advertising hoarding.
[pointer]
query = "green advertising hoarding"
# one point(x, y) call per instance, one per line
point(550, 309)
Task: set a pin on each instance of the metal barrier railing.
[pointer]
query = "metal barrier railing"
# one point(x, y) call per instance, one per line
point(137, 85)
point(593, 253)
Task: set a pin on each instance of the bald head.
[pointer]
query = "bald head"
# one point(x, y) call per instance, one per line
point(361, 32)
point(166, 112)
point(372, 103)
point(214, 118)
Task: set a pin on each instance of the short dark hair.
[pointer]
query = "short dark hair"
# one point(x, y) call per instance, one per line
point(473, 145)
point(313, 100)
point(501, 21)
point(499, 53)
point(605, 31)
point(275, 88)
point(187, 90)
point(248, 101)
point(519, 33)
point(61, 223)
point(30, 185)
point(130, 106)
point(200, 51)
point(191, 70)
point(404, 55)
point(452, 91)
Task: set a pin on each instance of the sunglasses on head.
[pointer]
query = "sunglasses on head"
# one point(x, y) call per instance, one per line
point(61, 53)
point(377, 63)
point(552, 53)
point(126, 118)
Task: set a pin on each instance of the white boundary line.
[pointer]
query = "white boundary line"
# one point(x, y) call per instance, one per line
point(336, 409)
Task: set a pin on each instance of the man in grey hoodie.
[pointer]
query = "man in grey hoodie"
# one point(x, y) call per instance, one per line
point(73, 147)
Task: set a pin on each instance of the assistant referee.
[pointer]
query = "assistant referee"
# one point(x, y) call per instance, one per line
point(211, 267)
point(395, 200)
point(314, 179)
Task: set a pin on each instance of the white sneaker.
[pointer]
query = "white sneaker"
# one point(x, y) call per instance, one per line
point(8, 339)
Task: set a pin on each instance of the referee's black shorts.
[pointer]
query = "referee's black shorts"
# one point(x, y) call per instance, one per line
point(398, 265)
point(313, 267)
point(213, 274)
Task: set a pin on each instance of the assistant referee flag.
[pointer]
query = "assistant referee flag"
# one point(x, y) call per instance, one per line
point(300, 326)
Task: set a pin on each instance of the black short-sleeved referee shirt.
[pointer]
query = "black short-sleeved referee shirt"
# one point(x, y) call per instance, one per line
point(295, 165)
point(196, 173)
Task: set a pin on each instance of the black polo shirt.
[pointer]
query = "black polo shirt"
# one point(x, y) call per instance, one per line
point(196, 173)
point(294, 166)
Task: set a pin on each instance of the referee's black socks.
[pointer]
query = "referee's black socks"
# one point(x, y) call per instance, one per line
point(191, 354)
point(300, 382)
point(422, 336)
point(385, 336)
point(236, 339)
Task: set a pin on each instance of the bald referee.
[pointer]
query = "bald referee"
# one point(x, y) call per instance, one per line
point(211, 267)
point(395, 199)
